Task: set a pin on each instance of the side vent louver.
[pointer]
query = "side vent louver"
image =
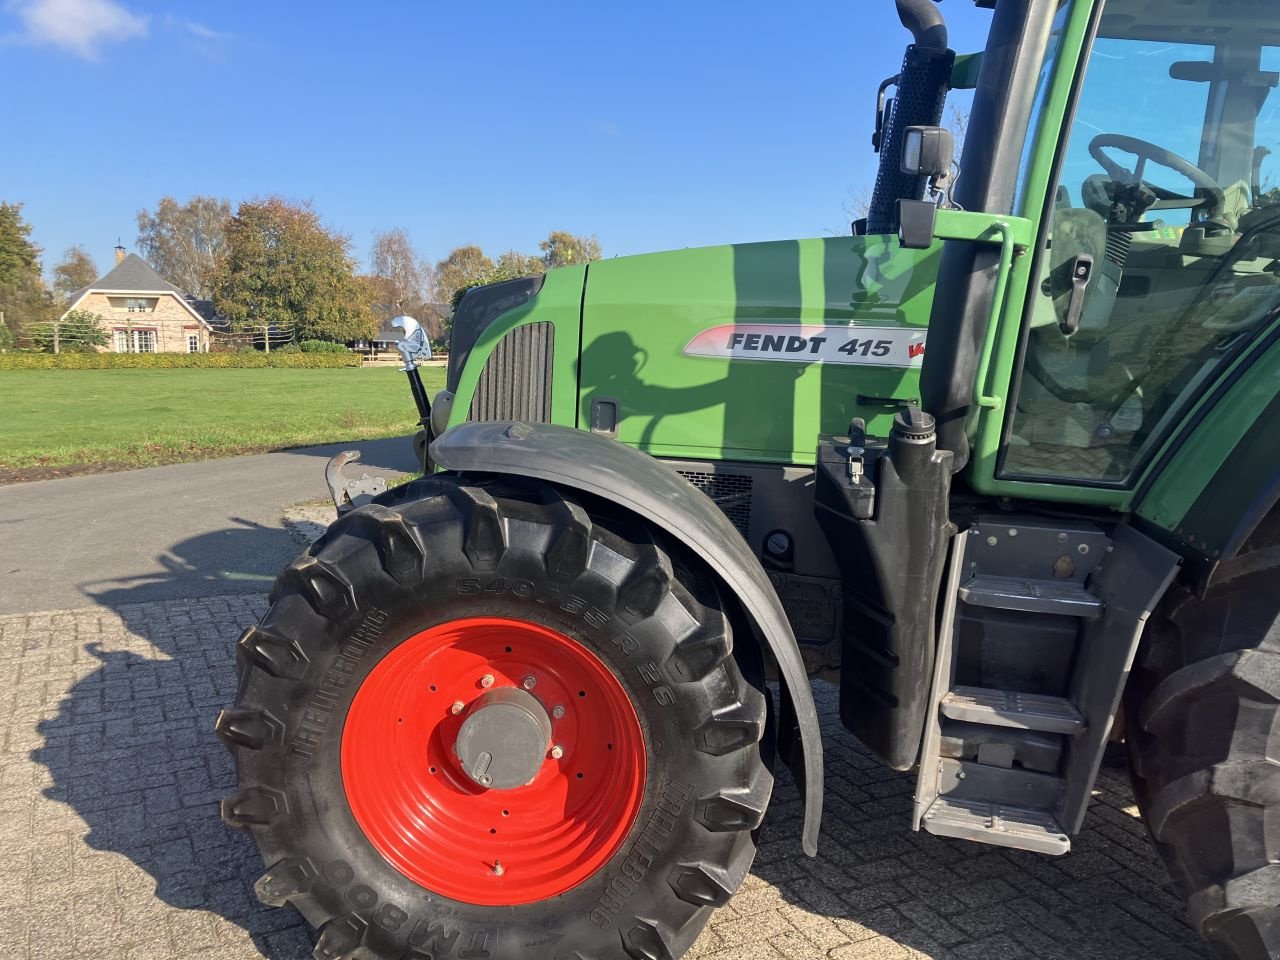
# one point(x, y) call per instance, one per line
point(516, 381)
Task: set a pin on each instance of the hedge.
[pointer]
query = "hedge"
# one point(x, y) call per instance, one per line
point(132, 361)
point(321, 346)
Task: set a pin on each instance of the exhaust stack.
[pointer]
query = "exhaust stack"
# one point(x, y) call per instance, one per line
point(922, 89)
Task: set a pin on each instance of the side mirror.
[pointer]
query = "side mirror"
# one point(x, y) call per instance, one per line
point(928, 152)
point(414, 346)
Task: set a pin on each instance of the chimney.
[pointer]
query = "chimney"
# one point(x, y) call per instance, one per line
point(120, 252)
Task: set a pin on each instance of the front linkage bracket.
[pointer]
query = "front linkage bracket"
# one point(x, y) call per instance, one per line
point(348, 494)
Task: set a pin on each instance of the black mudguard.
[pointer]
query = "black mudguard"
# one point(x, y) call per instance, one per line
point(583, 461)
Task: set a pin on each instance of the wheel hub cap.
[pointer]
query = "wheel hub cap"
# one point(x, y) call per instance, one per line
point(504, 740)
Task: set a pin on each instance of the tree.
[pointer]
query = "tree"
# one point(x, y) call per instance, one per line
point(184, 242)
point(464, 267)
point(283, 269)
point(75, 271)
point(404, 279)
point(19, 257)
point(562, 249)
point(23, 298)
point(80, 331)
point(515, 264)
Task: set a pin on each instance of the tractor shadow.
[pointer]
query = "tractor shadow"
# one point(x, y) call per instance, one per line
point(132, 750)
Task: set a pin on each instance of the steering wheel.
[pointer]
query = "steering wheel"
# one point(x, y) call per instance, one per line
point(1213, 201)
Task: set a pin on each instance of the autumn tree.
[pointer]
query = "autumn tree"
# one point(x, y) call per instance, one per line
point(184, 242)
point(562, 249)
point(515, 264)
point(23, 298)
point(75, 271)
point(464, 267)
point(282, 268)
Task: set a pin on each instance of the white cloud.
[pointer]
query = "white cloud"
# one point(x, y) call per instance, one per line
point(197, 29)
point(80, 27)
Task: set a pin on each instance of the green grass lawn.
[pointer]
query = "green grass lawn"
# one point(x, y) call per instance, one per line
point(54, 422)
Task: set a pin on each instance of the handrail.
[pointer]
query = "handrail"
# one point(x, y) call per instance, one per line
point(980, 398)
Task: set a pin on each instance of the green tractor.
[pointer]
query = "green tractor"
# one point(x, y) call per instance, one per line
point(531, 705)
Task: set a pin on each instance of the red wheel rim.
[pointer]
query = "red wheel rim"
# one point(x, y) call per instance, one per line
point(439, 828)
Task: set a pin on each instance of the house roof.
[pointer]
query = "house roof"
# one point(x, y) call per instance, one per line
point(132, 274)
point(135, 275)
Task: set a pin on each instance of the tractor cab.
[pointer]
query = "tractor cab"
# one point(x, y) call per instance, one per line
point(1162, 250)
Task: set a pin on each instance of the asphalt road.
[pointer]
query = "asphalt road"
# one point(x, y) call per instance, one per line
point(163, 533)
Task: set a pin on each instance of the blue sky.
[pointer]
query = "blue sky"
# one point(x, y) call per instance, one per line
point(653, 125)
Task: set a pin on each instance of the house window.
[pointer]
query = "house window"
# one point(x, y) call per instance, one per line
point(135, 341)
point(134, 304)
point(193, 343)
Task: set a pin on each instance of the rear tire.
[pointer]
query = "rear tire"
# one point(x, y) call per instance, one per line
point(447, 550)
point(1203, 717)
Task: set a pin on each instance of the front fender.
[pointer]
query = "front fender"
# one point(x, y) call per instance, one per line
point(652, 490)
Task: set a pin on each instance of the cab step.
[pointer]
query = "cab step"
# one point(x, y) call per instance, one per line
point(997, 823)
point(1031, 596)
point(1009, 708)
point(1039, 626)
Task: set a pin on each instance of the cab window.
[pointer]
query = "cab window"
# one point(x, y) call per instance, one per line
point(1161, 255)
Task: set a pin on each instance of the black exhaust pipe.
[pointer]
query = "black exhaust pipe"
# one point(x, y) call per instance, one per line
point(924, 20)
point(922, 91)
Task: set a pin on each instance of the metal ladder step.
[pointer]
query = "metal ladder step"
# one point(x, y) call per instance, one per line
point(1031, 596)
point(1008, 708)
point(998, 824)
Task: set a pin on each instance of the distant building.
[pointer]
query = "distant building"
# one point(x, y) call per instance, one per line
point(142, 312)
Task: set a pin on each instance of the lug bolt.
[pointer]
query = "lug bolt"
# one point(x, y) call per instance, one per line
point(457, 708)
point(557, 752)
point(486, 680)
point(558, 712)
point(530, 682)
point(497, 868)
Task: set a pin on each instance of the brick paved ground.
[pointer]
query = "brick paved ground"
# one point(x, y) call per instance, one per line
point(111, 847)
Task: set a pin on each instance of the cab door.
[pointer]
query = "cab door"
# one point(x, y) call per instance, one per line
point(1155, 281)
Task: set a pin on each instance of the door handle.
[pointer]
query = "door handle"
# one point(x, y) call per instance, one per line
point(1081, 273)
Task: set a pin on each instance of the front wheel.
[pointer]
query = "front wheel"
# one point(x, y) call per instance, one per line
point(485, 721)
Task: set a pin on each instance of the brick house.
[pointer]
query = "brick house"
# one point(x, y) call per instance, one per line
point(142, 312)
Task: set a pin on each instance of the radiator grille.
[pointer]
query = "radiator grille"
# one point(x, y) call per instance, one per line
point(516, 381)
point(731, 492)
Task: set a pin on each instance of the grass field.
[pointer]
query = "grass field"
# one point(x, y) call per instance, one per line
point(55, 422)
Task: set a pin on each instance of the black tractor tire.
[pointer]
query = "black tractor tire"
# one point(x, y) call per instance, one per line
point(1203, 729)
point(443, 548)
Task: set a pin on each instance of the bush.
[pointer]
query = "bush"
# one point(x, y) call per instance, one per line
point(133, 361)
point(322, 346)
